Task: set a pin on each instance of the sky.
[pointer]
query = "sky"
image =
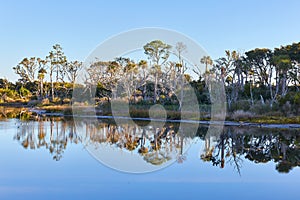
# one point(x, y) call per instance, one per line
point(30, 28)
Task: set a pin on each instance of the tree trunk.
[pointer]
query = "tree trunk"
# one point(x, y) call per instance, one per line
point(51, 82)
point(271, 88)
point(41, 89)
point(277, 83)
point(284, 90)
point(251, 93)
point(52, 91)
point(155, 87)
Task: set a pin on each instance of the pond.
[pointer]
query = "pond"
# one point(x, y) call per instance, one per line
point(60, 158)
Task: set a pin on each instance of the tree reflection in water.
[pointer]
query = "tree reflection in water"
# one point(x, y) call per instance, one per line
point(155, 145)
point(255, 144)
point(52, 134)
point(158, 145)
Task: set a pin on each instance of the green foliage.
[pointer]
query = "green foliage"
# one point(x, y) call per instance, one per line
point(247, 78)
point(101, 91)
point(241, 105)
point(24, 92)
point(201, 92)
point(56, 100)
point(297, 99)
point(260, 109)
point(9, 93)
point(157, 50)
point(283, 99)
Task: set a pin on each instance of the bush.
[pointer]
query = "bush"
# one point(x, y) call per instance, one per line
point(286, 108)
point(24, 92)
point(66, 101)
point(9, 93)
point(33, 103)
point(259, 108)
point(240, 105)
point(34, 97)
point(56, 100)
point(297, 99)
point(242, 115)
point(45, 102)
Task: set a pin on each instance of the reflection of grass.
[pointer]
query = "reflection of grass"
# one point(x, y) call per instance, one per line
point(9, 112)
point(64, 109)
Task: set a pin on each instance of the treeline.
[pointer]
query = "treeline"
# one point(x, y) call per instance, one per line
point(50, 78)
point(260, 80)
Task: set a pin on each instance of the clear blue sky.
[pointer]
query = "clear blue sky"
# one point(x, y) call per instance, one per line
point(30, 28)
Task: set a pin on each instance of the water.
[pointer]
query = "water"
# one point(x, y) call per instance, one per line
point(51, 159)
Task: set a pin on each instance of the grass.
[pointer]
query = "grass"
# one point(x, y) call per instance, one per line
point(276, 120)
point(239, 115)
point(142, 111)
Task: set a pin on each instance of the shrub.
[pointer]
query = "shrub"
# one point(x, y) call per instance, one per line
point(66, 101)
point(297, 98)
point(56, 100)
point(259, 108)
point(240, 105)
point(24, 92)
point(9, 93)
point(33, 97)
point(45, 102)
point(242, 115)
point(286, 108)
point(33, 103)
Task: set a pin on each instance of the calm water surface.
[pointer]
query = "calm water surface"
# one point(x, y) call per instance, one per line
point(48, 159)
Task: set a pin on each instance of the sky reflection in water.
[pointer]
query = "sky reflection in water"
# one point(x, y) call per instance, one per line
point(35, 173)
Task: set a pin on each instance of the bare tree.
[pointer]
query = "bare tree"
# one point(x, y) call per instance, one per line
point(27, 69)
point(71, 69)
point(106, 73)
point(181, 48)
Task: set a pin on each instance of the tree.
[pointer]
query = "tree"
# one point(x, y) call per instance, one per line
point(282, 64)
point(41, 77)
point(106, 73)
point(207, 61)
point(27, 69)
point(260, 60)
point(159, 53)
point(71, 69)
point(129, 77)
point(227, 67)
point(294, 53)
point(143, 76)
point(57, 60)
point(4, 83)
point(181, 48)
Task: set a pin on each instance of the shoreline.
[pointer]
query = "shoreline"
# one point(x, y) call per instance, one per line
point(66, 111)
point(202, 122)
